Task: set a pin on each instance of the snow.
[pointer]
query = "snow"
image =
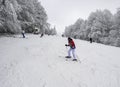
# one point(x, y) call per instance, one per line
point(40, 62)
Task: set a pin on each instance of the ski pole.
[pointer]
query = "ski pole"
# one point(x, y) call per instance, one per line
point(78, 57)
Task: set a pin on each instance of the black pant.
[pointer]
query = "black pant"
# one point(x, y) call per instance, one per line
point(23, 35)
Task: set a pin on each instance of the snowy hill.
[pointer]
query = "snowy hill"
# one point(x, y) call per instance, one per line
point(40, 62)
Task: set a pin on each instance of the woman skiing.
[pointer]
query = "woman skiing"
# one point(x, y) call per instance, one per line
point(72, 49)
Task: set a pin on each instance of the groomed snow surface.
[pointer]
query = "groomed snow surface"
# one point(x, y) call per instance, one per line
point(40, 62)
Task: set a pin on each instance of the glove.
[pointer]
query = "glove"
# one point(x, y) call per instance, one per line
point(66, 45)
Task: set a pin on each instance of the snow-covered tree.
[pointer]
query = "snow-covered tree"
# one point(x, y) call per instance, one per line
point(76, 29)
point(102, 26)
point(18, 14)
point(53, 31)
point(117, 22)
point(100, 22)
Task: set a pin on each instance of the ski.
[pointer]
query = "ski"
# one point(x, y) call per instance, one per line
point(67, 58)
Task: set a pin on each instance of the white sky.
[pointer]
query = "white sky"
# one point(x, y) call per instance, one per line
point(62, 13)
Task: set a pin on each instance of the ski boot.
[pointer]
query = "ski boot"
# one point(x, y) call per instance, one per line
point(74, 59)
point(68, 57)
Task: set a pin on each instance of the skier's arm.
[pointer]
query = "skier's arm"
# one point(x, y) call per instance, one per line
point(67, 45)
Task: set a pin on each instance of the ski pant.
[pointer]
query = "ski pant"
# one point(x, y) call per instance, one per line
point(73, 52)
point(23, 35)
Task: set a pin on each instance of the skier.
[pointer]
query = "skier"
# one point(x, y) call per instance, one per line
point(41, 35)
point(72, 49)
point(91, 40)
point(23, 33)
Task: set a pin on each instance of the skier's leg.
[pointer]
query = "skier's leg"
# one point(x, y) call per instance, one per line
point(69, 52)
point(24, 35)
point(73, 53)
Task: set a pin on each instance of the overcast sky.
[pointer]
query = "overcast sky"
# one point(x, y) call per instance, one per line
point(62, 13)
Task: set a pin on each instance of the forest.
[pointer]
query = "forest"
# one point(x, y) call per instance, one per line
point(18, 15)
point(102, 26)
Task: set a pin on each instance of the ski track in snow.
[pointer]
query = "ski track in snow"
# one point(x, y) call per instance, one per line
point(40, 62)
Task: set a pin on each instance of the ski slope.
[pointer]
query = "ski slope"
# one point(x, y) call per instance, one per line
point(40, 62)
